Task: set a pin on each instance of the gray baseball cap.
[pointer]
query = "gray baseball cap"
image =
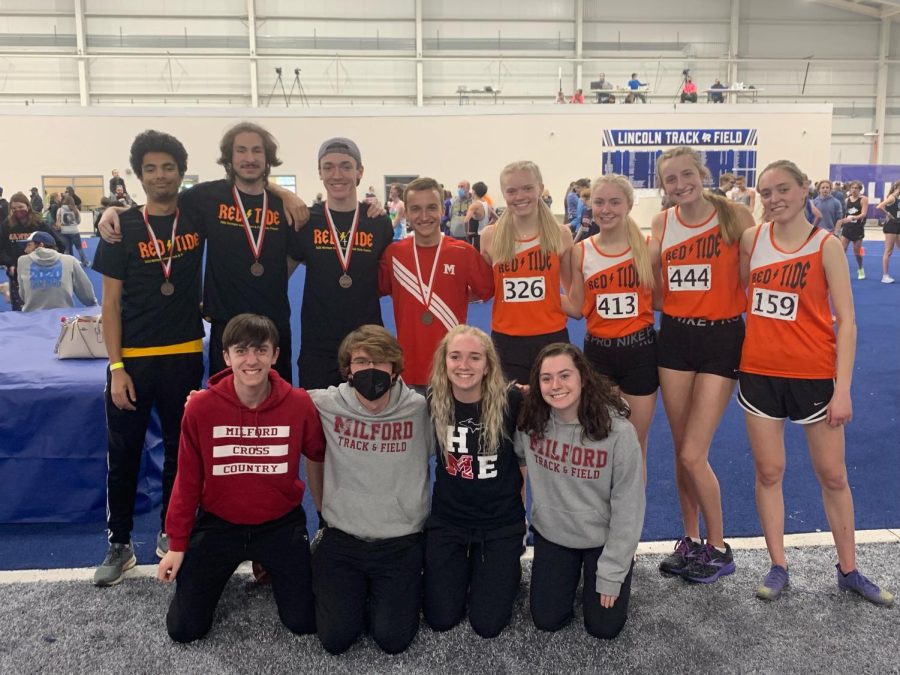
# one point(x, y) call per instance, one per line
point(340, 145)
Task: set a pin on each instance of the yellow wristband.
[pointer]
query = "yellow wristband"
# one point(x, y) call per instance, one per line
point(116, 365)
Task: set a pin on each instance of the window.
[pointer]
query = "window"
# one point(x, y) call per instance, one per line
point(287, 182)
point(91, 189)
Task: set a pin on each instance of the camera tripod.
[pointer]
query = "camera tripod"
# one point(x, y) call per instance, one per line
point(288, 96)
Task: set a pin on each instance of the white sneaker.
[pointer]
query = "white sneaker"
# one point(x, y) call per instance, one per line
point(887, 279)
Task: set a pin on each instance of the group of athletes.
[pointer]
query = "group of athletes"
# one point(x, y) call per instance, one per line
point(492, 408)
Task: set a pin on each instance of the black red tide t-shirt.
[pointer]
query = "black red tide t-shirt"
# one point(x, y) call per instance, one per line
point(150, 318)
point(478, 490)
point(330, 311)
point(229, 287)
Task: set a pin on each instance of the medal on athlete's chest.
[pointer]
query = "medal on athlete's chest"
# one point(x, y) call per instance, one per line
point(345, 251)
point(167, 288)
point(256, 243)
point(426, 291)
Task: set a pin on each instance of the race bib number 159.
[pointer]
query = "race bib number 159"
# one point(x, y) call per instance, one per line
point(774, 304)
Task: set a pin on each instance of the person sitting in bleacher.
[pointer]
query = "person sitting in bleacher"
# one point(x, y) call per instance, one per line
point(48, 279)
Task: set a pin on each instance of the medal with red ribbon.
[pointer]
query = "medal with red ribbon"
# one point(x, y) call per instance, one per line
point(427, 291)
point(256, 245)
point(343, 254)
point(167, 287)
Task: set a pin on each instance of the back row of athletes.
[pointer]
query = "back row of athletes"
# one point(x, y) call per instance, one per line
point(700, 256)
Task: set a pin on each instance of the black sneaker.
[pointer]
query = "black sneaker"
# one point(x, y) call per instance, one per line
point(709, 565)
point(685, 551)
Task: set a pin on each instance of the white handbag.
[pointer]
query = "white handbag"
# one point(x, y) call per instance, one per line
point(81, 337)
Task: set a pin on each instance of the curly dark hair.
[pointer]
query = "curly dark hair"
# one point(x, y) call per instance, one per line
point(226, 147)
point(598, 397)
point(156, 141)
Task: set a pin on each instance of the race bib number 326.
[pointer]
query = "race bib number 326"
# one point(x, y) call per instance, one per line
point(689, 277)
point(774, 304)
point(524, 289)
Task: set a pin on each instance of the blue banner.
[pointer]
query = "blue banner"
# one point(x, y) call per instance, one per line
point(876, 180)
point(619, 138)
point(640, 165)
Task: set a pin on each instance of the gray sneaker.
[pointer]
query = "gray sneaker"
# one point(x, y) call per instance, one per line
point(162, 545)
point(119, 558)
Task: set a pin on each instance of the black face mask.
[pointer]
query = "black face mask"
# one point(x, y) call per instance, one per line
point(371, 383)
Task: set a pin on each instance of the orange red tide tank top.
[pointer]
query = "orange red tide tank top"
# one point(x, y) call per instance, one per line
point(527, 292)
point(615, 303)
point(701, 274)
point(789, 329)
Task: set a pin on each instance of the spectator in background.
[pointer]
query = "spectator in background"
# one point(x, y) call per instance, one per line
point(635, 85)
point(560, 97)
point(53, 202)
point(742, 194)
point(37, 204)
point(14, 231)
point(583, 225)
point(578, 96)
point(603, 86)
point(68, 218)
point(318, 199)
point(726, 182)
point(448, 201)
point(715, 97)
point(479, 215)
point(115, 181)
point(548, 200)
point(689, 91)
point(829, 206)
point(122, 198)
point(458, 209)
point(71, 191)
point(48, 279)
point(397, 211)
point(840, 194)
point(4, 208)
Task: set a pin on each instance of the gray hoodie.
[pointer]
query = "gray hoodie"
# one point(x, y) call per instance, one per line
point(588, 493)
point(48, 278)
point(376, 465)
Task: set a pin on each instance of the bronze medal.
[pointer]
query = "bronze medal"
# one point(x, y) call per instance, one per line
point(427, 318)
point(345, 281)
point(167, 288)
point(256, 269)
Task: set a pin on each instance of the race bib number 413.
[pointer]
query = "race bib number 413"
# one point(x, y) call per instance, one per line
point(524, 289)
point(617, 305)
point(774, 304)
point(689, 277)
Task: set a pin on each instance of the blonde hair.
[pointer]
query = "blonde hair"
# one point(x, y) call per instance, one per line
point(726, 211)
point(636, 240)
point(503, 245)
point(494, 403)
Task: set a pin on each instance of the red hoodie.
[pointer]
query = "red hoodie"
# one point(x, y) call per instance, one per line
point(239, 464)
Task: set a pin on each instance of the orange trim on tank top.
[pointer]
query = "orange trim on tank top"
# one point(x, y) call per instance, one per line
point(678, 217)
point(815, 231)
point(608, 255)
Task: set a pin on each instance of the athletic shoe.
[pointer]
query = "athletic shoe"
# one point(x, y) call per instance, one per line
point(887, 279)
point(774, 583)
point(857, 583)
point(119, 558)
point(709, 565)
point(162, 545)
point(860, 273)
point(686, 549)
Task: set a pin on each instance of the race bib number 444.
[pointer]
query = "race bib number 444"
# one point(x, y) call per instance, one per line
point(524, 289)
point(774, 304)
point(689, 277)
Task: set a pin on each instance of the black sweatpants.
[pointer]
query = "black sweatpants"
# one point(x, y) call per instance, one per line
point(15, 300)
point(349, 572)
point(217, 547)
point(284, 366)
point(478, 570)
point(318, 369)
point(554, 580)
point(163, 382)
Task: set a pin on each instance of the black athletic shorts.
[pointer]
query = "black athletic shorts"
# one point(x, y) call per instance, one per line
point(518, 353)
point(630, 361)
point(853, 231)
point(778, 398)
point(701, 345)
point(891, 227)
